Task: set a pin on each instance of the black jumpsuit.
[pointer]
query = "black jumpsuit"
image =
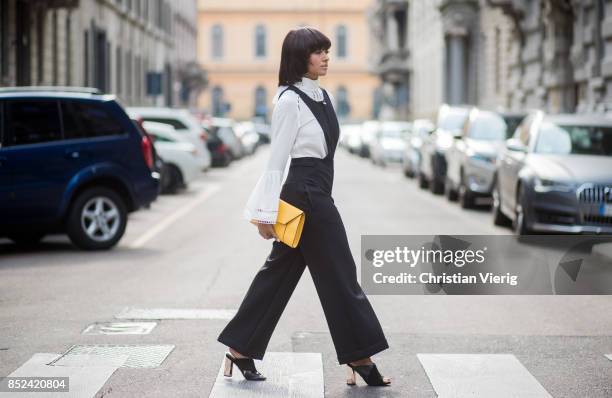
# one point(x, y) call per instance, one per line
point(323, 247)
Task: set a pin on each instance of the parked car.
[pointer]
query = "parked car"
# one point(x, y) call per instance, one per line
point(368, 133)
point(390, 142)
point(224, 128)
point(263, 129)
point(182, 163)
point(555, 175)
point(352, 137)
point(219, 151)
point(183, 121)
point(411, 160)
point(248, 136)
point(432, 171)
point(472, 157)
point(71, 161)
point(347, 131)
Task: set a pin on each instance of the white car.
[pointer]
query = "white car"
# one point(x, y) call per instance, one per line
point(182, 161)
point(350, 137)
point(246, 132)
point(390, 142)
point(183, 122)
point(368, 134)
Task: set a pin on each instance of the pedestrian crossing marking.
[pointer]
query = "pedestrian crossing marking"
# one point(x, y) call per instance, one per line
point(112, 328)
point(175, 313)
point(480, 376)
point(83, 381)
point(138, 355)
point(288, 374)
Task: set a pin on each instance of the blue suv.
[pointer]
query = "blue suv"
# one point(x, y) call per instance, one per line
point(71, 162)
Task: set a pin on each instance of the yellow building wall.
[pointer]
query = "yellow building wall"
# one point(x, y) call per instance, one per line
point(239, 71)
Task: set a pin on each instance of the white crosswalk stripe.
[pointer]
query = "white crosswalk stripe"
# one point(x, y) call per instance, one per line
point(480, 376)
point(288, 374)
point(84, 381)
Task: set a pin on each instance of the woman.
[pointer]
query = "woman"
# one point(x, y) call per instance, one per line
point(305, 127)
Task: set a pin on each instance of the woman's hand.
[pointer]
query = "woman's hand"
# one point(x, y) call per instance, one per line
point(266, 231)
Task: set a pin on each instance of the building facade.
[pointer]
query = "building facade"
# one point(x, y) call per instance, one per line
point(561, 57)
point(240, 45)
point(517, 55)
point(450, 51)
point(142, 51)
point(391, 58)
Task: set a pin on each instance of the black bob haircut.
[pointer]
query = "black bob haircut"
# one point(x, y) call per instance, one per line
point(297, 47)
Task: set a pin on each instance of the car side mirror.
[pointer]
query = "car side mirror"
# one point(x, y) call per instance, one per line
point(514, 144)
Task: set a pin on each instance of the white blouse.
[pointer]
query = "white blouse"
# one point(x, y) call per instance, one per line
point(295, 133)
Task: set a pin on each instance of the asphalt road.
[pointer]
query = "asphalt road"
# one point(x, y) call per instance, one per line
point(195, 251)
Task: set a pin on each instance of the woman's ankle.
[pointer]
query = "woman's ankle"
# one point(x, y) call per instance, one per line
point(236, 354)
point(363, 361)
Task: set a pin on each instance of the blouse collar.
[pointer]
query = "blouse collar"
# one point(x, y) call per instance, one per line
point(309, 86)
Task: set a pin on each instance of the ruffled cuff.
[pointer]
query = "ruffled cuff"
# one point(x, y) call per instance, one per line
point(262, 205)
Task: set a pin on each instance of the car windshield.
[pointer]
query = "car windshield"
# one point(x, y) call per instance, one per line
point(453, 120)
point(393, 133)
point(583, 140)
point(488, 127)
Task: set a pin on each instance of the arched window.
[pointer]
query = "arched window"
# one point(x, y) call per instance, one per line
point(217, 101)
point(344, 108)
point(217, 41)
point(261, 101)
point(341, 41)
point(260, 41)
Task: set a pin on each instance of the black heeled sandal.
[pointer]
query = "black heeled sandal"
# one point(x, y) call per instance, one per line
point(369, 373)
point(245, 365)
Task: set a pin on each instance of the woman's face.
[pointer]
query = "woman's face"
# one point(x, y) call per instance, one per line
point(317, 64)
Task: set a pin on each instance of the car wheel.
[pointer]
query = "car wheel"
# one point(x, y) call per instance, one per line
point(499, 218)
point(26, 238)
point(465, 196)
point(436, 186)
point(449, 192)
point(174, 180)
point(520, 219)
point(423, 183)
point(408, 172)
point(97, 219)
point(227, 159)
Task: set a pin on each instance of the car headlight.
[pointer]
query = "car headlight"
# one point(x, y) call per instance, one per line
point(546, 185)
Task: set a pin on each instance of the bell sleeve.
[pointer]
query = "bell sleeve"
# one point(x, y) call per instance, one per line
point(262, 204)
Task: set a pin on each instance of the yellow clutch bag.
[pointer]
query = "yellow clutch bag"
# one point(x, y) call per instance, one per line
point(289, 223)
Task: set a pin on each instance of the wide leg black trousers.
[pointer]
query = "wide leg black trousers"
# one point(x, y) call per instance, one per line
point(324, 248)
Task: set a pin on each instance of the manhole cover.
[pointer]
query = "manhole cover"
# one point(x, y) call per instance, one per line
point(138, 356)
point(175, 313)
point(120, 328)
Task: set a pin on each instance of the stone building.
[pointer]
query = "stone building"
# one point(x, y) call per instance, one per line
point(240, 46)
point(561, 54)
point(390, 60)
point(450, 51)
point(143, 51)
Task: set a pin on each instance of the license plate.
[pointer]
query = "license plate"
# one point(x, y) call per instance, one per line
point(605, 210)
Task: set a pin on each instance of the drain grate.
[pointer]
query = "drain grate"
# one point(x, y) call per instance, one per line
point(138, 356)
point(175, 313)
point(120, 328)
